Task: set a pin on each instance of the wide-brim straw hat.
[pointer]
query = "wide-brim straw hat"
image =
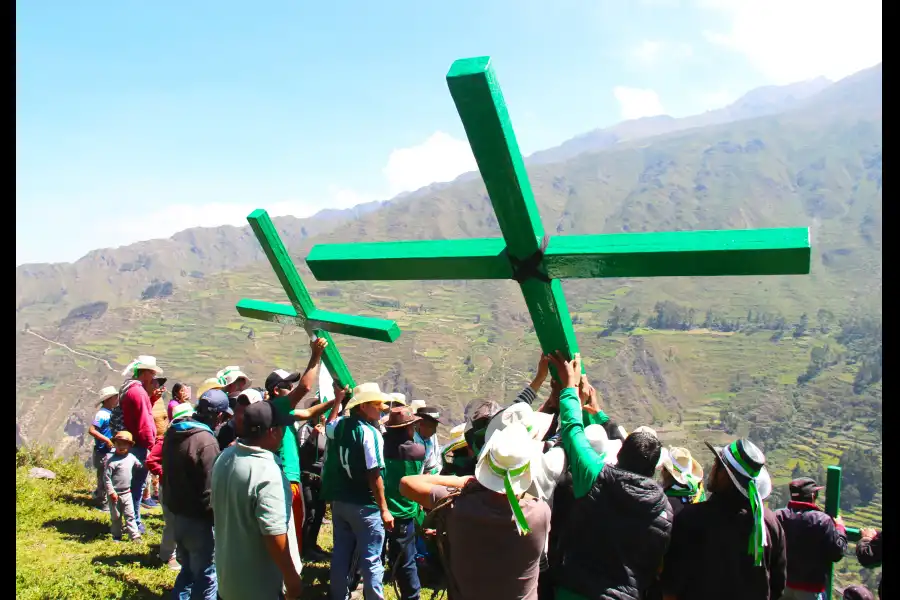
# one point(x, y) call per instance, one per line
point(106, 393)
point(510, 450)
point(457, 439)
point(416, 405)
point(124, 436)
point(536, 423)
point(142, 363)
point(182, 410)
point(600, 442)
point(230, 374)
point(679, 463)
point(209, 384)
point(397, 398)
point(367, 392)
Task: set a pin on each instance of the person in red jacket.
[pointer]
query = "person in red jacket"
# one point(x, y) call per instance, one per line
point(137, 416)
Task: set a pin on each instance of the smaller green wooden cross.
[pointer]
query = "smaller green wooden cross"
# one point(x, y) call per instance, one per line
point(536, 261)
point(301, 311)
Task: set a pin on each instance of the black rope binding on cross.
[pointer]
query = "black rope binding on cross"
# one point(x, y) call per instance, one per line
point(527, 268)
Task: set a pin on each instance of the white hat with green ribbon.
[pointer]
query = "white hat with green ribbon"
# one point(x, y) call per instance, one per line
point(505, 467)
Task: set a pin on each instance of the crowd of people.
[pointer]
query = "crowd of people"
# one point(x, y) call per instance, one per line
point(557, 502)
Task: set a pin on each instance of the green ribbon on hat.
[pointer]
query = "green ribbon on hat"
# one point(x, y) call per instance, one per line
point(757, 541)
point(507, 475)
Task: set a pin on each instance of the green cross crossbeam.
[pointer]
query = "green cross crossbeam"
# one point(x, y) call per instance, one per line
point(301, 311)
point(538, 262)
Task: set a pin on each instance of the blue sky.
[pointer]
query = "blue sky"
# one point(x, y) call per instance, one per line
point(135, 120)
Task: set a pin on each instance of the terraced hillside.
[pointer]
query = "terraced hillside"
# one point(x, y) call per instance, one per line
point(774, 358)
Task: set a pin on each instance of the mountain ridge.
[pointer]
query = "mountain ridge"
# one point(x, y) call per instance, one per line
point(47, 291)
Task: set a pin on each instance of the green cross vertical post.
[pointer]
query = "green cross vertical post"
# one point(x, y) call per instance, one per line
point(833, 508)
point(301, 311)
point(527, 255)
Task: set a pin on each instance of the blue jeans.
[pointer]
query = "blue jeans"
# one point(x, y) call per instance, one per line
point(196, 544)
point(402, 558)
point(357, 530)
point(138, 481)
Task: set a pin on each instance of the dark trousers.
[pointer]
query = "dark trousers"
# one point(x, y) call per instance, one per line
point(402, 558)
point(315, 511)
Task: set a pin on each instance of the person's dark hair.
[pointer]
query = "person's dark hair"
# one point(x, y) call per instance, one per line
point(176, 389)
point(639, 454)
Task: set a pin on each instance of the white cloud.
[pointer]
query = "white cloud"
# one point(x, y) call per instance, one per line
point(635, 103)
point(439, 158)
point(653, 52)
point(796, 40)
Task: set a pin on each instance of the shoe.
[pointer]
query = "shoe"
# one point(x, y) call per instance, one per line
point(149, 503)
point(173, 564)
point(137, 540)
point(142, 529)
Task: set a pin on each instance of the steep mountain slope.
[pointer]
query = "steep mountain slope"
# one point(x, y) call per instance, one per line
point(47, 292)
point(770, 357)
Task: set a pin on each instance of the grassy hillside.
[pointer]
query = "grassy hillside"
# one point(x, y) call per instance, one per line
point(64, 549)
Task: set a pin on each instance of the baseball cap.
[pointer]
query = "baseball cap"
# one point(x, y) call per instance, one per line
point(431, 413)
point(261, 416)
point(804, 487)
point(249, 397)
point(279, 376)
point(214, 401)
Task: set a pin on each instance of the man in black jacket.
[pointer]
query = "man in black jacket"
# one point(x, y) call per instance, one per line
point(814, 541)
point(730, 546)
point(189, 451)
point(618, 527)
point(868, 552)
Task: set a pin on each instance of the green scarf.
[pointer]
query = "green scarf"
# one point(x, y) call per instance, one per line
point(758, 539)
point(507, 475)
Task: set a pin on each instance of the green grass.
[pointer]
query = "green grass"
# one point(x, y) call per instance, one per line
point(64, 549)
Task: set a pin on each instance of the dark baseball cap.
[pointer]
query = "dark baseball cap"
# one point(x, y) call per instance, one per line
point(431, 413)
point(857, 592)
point(280, 376)
point(214, 401)
point(261, 416)
point(804, 487)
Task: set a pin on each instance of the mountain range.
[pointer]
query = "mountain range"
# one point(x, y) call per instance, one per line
point(699, 359)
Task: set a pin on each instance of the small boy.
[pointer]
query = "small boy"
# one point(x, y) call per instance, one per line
point(119, 470)
point(101, 431)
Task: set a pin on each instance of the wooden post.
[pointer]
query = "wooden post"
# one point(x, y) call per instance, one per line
point(535, 261)
point(833, 508)
point(301, 311)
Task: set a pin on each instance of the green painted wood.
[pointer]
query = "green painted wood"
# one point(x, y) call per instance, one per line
point(478, 258)
point(302, 311)
point(680, 253)
point(280, 260)
point(482, 109)
point(833, 508)
point(664, 254)
point(381, 330)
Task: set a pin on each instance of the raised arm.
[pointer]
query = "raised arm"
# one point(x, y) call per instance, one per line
point(305, 414)
point(309, 376)
point(584, 461)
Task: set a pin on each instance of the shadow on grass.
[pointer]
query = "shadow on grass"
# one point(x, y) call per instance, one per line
point(82, 530)
point(133, 590)
point(143, 558)
point(79, 499)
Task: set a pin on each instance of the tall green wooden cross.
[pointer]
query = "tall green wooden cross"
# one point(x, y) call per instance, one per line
point(301, 311)
point(536, 261)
